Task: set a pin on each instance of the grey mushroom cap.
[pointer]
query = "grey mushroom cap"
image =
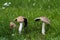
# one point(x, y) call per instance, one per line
point(43, 19)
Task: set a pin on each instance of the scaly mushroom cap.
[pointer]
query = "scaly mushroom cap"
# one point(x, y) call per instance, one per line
point(44, 19)
point(20, 19)
point(12, 25)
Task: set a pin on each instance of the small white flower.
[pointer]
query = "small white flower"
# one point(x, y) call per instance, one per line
point(3, 7)
point(5, 4)
point(24, 39)
point(13, 34)
point(9, 2)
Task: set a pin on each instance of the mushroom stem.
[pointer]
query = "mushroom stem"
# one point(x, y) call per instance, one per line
point(20, 27)
point(43, 28)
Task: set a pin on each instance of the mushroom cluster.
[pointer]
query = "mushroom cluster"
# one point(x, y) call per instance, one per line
point(22, 20)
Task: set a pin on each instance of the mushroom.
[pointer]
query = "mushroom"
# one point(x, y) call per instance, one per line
point(45, 21)
point(12, 25)
point(21, 20)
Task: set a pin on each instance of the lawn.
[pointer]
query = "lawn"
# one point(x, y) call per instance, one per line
point(30, 9)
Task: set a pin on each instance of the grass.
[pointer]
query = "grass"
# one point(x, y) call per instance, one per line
point(50, 9)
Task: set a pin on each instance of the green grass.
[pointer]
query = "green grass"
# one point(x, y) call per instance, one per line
point(26, 8)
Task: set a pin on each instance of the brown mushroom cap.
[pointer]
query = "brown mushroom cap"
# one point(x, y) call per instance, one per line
point(12, 25)
point(20, 19)
point(45, 19)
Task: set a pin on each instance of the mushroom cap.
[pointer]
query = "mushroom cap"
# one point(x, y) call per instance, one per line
point(12, 25)
point(45, 19)
point(20, 19)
